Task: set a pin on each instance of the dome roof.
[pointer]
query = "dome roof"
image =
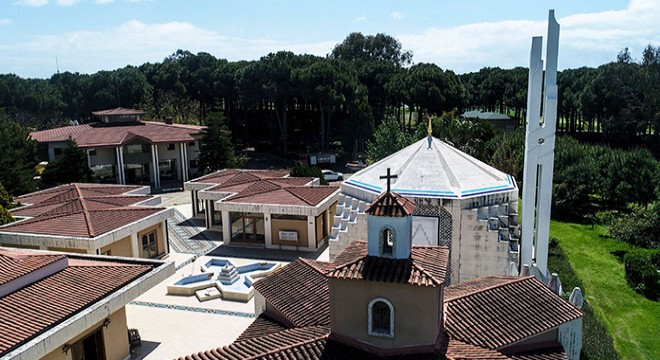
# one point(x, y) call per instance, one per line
point(438, 171)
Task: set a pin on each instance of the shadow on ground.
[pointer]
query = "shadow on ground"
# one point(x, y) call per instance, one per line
point(264, 254)
point(143, 350)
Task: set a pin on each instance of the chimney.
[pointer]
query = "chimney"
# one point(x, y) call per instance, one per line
point(168, 120)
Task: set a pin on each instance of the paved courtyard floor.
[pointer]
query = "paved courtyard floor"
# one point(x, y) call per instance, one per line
point(173, 326)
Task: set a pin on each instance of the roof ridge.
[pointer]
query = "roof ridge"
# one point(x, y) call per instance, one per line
point(478, 291)
point(293, 345)
point(246, 193)
point(85, 211)
point(308, 263)
point(288, 189)
point(425, 272)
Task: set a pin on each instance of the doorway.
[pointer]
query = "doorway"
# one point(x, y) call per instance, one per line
point(90, 347)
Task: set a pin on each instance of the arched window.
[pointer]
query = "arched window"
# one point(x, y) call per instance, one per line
point(387, 239)
point(381, 318)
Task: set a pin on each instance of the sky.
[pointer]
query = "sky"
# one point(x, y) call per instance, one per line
point(39, 36)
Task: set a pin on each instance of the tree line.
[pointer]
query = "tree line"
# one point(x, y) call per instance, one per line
point(296, 102)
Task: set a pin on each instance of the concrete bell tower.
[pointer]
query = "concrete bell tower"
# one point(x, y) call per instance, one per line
point(389, 219)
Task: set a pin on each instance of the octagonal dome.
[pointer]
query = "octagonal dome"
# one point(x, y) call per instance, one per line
point(436, 171)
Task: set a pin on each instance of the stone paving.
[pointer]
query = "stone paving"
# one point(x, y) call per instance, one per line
point(172, 326)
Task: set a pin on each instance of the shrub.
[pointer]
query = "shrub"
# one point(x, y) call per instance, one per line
point(6, 200)
point(641, 227)
point(605, 217)
point(5, 216)
point(641, 266)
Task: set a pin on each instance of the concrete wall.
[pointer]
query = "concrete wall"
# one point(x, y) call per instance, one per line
point(480, 252)
point(51, 149)
point(417, 311)
point(115, 339)
point(291, 225)
point(70, 250)
point(570, 337)
point(120, 248)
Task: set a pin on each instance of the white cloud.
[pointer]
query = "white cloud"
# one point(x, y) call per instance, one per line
point(32, 3)
point(585, 39)
point(104, 1)
point(5, 21)
point(398, 15)
point(67, 2)
point(361, 19)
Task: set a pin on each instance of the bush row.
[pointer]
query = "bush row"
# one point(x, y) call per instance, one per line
point(642, 266)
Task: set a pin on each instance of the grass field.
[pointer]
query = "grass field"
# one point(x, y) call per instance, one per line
point(632, 321)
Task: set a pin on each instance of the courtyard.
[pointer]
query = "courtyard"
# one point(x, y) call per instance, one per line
point(176, 325)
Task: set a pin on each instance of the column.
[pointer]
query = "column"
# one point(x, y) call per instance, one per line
point(121, 176)
point(268, 230)
point(226, 227)
point(154, 158)
point(135, 245)
point(184, 161)
point(193, 199)
point(311, 232)
point(209, 213)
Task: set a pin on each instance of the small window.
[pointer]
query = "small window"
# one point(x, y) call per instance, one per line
point(92, 152)
point(57, 151)
point(149, 248)
point(192, 143)
point(170, 147)
point(388, 241)
point(381, 318)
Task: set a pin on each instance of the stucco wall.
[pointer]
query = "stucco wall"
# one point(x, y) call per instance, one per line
point(289, 225)
point(161, 248)
point(121, 247)
point(115, 339)
point(417, 311)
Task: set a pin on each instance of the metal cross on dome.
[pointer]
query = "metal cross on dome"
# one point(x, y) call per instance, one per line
point(389, 177)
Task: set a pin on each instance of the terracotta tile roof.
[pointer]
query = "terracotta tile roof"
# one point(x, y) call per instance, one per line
point(261, 193)
point(474, 285)
point(16, 263)
point(262, 325)
point(300, 292)
point(458, 350)
point(305, 343)
point(81, 210)
point(242, 175)
point(407, 271)
point(35, 308)
point(391, 204)
point(99, 134)
point(500, 315)
point(118, 111)
point(553, 353)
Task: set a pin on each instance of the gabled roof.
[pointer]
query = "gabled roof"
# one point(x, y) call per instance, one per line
point(239, 176)
point(100, 134)
point(300, 292)
point(38, 306)
point(441, 171)
point(118, 111)
point(17, 263)
point(80, 210)
point(391, 204)
point(271, 194)
point(497, 311)
point(406, 271)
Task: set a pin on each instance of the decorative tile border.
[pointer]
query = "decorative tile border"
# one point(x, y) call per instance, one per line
point(192, 309)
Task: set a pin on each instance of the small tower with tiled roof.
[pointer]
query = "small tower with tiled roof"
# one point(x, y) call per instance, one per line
point(389, 220)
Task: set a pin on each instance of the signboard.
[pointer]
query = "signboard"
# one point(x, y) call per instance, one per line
point(288, 235)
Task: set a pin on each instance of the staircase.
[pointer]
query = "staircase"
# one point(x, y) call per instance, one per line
point(349, 224)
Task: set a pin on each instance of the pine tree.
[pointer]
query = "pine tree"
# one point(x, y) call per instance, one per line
point(18, 157)
point(71, 167)
point(217, 151)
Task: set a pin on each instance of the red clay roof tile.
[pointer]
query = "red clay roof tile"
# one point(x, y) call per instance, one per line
point(391, 204)
point(502, 314)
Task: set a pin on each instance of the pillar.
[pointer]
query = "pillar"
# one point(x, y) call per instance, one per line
point(135, 245)
point(226, 227)
point(183, 147)
point(268, 230)
point(193, 199)
point(121, 176)
point(154, 158)
point(311, 232)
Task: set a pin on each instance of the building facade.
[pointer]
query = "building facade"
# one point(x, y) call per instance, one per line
point(116, 220)
point(123, 149)
point(265, 208)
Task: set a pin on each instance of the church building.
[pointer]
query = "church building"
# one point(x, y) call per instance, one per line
point(461, 203)
point(386, 297)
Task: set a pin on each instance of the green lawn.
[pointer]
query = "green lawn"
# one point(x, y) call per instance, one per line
point(632, 320)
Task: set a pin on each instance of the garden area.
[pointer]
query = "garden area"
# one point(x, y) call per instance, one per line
point(586, 256)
